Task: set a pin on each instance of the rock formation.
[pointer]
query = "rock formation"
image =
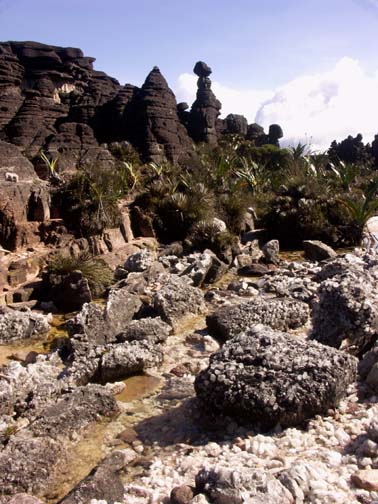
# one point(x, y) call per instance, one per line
point(205, 109)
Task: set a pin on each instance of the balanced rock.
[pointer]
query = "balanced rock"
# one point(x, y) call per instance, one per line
point(205, 109)
point(266, 377)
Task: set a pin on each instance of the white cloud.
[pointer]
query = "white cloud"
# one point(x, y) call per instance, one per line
point(313, 109)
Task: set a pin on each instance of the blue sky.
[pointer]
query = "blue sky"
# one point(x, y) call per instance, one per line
point(257, 49)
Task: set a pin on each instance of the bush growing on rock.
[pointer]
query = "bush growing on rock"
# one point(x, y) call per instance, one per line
point(94, 270)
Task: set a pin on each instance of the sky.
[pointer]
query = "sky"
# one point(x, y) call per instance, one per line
point(309, 65)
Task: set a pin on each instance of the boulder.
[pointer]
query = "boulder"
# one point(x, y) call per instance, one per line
point(100, 325)
point(17, 325)
point(27, 462)
point(228, 486)
point(126, 359)
point(154, 330)
point(280, 314)
point(347, 311)
point(316, 250)
point(267, 377)
point(177, 299)
point(271, 249)
point(140, 261)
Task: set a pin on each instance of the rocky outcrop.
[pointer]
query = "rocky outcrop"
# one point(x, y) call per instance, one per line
point(157, 131)
point(53, 99)
point(280, 314)
point(206, 108)
point(266, 377)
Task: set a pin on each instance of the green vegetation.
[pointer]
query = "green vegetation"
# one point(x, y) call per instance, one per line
point(94, 269)
point(297, 194)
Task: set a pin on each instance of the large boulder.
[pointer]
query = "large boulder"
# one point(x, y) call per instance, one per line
point(347, 312)
point(280, 314)
point(266, 378)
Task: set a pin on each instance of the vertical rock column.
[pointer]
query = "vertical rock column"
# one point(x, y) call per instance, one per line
point(205, 109)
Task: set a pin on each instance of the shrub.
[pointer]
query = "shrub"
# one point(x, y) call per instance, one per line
point(94, 269)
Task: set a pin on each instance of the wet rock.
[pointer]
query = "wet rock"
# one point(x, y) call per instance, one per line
point(182, 495)
point(316, 250)
point(177, 299)
point(347, 311)
point(153, 330)
point(140, 261)
point(17, 325)
point(235, 487)
point(280, 314)
point(271, 251)
point(99, 324)
point(104, 482)
point(75, 410)
point(266, 377)
point(125, 359)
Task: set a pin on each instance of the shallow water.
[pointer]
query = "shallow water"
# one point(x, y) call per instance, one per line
point(18, 350)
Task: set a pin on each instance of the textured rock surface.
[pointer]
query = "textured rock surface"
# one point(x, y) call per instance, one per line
point(104, 482)
point(176, 299)
point(101, 325)
point(280, 314)
point(126, 359)
point(206, 108)
point(159, 134)
point(269, 377)
point(235, 487)
point(153, 330)
point(16, 325)
point(347, 311)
